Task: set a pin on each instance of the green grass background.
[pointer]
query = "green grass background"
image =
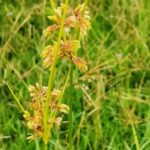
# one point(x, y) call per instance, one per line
point(111, 101)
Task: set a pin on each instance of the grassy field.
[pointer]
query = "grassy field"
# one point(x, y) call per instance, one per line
point(111, 101)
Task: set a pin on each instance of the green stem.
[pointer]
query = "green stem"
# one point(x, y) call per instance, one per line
point(45, 146)
point(70, 106)
point(17, 100)
point(135, 136)
point(65, 85)
point(52, 4)
point(37, 144)
point(61, 96)
point(51, 77)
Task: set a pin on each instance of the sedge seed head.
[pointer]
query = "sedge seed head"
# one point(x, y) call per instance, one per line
point(50, 30)
point(48, 55)
point(58, 121)
point(70, 46)
point(80, 63)
point(63, 108)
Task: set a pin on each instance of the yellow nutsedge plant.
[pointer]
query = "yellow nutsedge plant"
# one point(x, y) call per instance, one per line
point(46, 102)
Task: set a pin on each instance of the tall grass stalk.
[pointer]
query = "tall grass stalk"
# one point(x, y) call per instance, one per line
point(135, 136)
point(70, 106)
point(61, 96)
point(52, 4)
point(17, 100)
point(51, 77)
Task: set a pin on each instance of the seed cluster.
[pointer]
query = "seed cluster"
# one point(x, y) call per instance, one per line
point(37, 105)
point(68, 47)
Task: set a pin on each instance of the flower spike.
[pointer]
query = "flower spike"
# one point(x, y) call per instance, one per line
point(80, 63)
point(70, 46)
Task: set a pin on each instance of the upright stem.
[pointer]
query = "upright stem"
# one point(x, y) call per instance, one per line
point(135, 136)
point(66, 82)
point(37, 144)
point(51, 77)
point(45, 146)
point(17, 100)
point(52, 4)
point(70, 105)
point(61, 96)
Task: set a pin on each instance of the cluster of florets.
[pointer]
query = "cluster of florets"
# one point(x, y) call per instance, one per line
point(37, 105)
point(69, 47)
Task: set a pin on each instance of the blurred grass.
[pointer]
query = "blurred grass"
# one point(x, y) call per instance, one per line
point(110, 101)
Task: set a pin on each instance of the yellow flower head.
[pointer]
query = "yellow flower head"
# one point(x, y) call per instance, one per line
point(82, 20)
point(50, 29)
point(37, 92)
point(70, 46)
point(80, 63)
point(48, 55)
point(58, 121)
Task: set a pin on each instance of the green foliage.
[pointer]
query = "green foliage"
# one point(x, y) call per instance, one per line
point(110, 99)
